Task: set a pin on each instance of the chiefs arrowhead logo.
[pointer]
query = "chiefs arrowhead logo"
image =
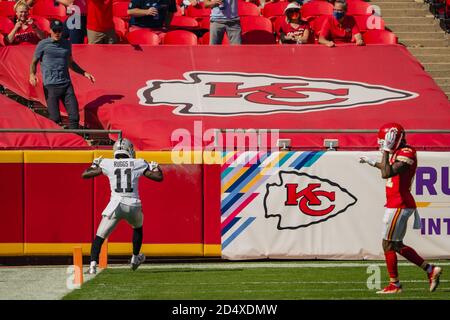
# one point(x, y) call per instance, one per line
point(230, 94)
point(301, 200)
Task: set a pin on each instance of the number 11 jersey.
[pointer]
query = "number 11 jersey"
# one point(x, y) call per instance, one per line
point(123, 175)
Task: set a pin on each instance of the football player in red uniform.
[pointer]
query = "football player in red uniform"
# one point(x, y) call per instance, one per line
point(398, 166)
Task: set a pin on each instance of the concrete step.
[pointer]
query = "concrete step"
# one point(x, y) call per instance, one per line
point(408, 20)
point(424, 42)
point(400, 5)
point(439, 74)
point(443, 82)
point(434, 58)
point(414, 28)
point(421, 35)
point(430, 50)
point(405, 13)
point(430, 66)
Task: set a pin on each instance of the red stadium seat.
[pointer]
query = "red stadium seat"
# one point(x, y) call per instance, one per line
point(182, 22)
point(316, 25)
point(48, 10)
point(143, 36)
point(42, 23)
point(2, 40)
point(6, 25)
point(7, 9)
point(359, 8)
point(205, 39)
point(204, 23)
point(120, 10)
point(180, 37)
point(369, 23)
point(316, 8)
point(247, 9)
point(198, 11)
point(256, 23)
point(273, 9)
point(379, 37)
point(121, 29)
point(258, 37)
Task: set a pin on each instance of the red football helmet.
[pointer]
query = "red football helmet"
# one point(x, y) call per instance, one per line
point(398, 138)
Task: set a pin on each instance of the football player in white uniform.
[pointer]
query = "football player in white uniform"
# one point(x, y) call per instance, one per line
point(123, 172)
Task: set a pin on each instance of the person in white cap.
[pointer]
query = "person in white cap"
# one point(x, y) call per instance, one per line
point(293, 29)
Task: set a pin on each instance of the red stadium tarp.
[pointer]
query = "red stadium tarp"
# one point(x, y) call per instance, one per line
point(151, 91)
point(17, 116)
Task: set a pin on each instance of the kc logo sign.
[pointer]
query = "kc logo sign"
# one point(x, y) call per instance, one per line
point(300, 200)
point(231, 94)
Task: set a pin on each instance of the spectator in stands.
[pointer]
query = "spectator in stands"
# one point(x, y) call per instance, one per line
point(100, 24)
point(76, 22)
point(340, 28)
point(55, 56)
point(293, 29)
point(25, 30)
point(155, 15)
point(224, 18)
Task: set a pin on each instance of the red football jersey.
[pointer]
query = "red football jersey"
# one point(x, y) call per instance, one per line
point(398, 193)
point(26, 35)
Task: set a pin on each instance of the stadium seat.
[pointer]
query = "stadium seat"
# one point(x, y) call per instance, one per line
point(204, 23)
point(316, 25)
point(42, 23)
point(359, 8)
point(258, 37)
point(121, 29)
point(48, 10)
point(316, 8)
point(6, 25)
point(142, 36)
point(180, 37)
point(7, 9)
point(2, 40)
point(248, 9)
point(198, 11)
point(379, 37)
point(205, 39)
point(179, 12)
point(369, 23)
point(182, 22)
point(256, 23)
point(120, 10)
point(274, 9)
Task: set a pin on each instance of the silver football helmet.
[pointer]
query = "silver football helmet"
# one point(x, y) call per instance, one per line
point(124, 146)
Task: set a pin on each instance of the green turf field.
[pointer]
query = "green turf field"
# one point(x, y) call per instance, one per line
point(256, 280)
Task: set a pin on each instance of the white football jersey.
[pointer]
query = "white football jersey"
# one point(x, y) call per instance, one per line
point(123, 175)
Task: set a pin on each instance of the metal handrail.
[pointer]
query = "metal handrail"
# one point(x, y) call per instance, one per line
point(119, 132)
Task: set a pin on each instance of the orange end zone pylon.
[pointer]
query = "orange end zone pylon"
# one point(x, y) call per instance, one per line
point(103, 260)
point(78, 266)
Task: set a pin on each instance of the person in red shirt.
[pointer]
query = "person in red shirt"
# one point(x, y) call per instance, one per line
point(100, 25)
point(398, 166)
point(293, 29)
point(25, 29)
point(340, 28)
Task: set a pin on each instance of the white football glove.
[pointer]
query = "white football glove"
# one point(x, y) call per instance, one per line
point(97, 161)
point(389, 139)
point(153, 165)
point(367, 160)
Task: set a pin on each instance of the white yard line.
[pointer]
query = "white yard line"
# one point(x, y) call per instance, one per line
point(35, 283)
point(249, 265)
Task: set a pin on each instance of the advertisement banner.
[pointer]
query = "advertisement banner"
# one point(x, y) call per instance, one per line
point(324, 205)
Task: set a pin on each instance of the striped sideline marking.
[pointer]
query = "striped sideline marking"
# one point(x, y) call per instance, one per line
point(249, 265)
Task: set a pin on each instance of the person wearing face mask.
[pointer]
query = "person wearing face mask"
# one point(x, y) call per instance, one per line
point(293, 29)
point(340, 28)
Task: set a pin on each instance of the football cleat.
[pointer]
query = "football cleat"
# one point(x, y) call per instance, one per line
point(92, 270)
point(391, 289)
point(136, 261)
point(433, 277)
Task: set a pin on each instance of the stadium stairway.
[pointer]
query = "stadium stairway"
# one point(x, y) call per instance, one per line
point(419, 31)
